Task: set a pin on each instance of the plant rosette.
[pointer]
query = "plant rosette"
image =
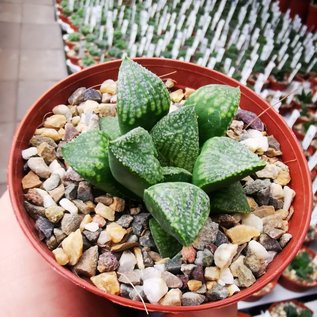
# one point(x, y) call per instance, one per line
point(301, 273)
point(217, 195)
point(290, 308)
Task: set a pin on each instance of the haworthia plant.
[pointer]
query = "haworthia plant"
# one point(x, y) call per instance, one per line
point(88, 156)
point(142, 98)
point(230, 199)
point(176, 138)
point(215, 107)
point(133, 161)
point(111, 126)
point(167, 245)
point(223, 161)
point(176, 174)
point(180, 208)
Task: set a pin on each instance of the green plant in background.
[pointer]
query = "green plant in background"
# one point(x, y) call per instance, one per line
point(90, 38)
point(74, 37)
point(302, 265)
point(85, 30)
point(93, 51)
point(305, 99)
point(88, 61)
point(291, 311)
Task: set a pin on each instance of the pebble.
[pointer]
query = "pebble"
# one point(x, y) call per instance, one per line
point(264, 211)
point(171, 280)
point(92, 226)
point(47, 152)
point(106, 109)
point(275, 226)
point(92, 94)
point(73, 246)
point(146, 240)
point(192, 299)
point(123, 246)
point(204, 258)
point(151, 272)
point(242, 272)
point(108, 86)
point(44, 226)
point(188, 254)
point(34, 211)
point(52, 182)
point(252, 203)
point(116, 232)
point(220, 239)
point(154, 289)
point(256, 258)
point(107, 262)
point(225, 277)
point(242, 233)
point(29, 152)
point(87, 264)
point(269, 244)
point(250, 118)
point(125, 221)
point(139, 257)
point(174, 265)
point(289, 195)
point(125, 290)
point(77, 96)
point(47, 199)
point(140, 223)
point(92, 237)
point(70, 132)
point(49, 133)
point(207, 235)
point(99, 220)
point(194, 285)
point(187, 268)
point(34, 197)
point(104, 199)
point(60, 256)
point(255, 141)
point(127, 262)
point(105, 98)
point(68, 205)
point(70, 223)
point(104, 238)
point(233, 289)
point(269, 171)
point(55, 121)
point(227, 221)
point(39, 167)
point(105, 212)
point(54, 213)
point(70, 191)
point(57, 193)
point(217, 292)
point(71, 175)
point(147, 259)
point(30, 180)
point(177, 95)
point(84, 192)
point(135, 211)
point(212, 273)
point(38, 139)
point(64, 110)
point(172, 298)
point(56, 168)
point(198, 273)
point(169, 83)
point(276, 191)
point(253, 221)
point(86, 219)
point(224, 255)
point(82, 207)
point(257, 186)
point(107, 282)
point(133, 277)
point(285, 238)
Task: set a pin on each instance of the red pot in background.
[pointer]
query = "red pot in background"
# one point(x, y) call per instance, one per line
point(295, 302)
point(284, 5)
point(186, 75)
point(296, 285)
point(300, 8)
point(311, 21)
point(267, 289)
point(277, 85)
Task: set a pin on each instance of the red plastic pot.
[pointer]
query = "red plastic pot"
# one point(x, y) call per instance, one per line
point(186, 75)
point(267, 289)
point(297, 285)
point(311, 21)
point(277, 85)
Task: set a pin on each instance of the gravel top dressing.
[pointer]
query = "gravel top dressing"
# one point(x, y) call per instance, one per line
point(159, 194)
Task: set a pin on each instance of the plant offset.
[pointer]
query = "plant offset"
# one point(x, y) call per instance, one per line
point(164, 188)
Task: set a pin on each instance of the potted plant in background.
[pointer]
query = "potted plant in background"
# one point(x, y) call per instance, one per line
point(291, 308)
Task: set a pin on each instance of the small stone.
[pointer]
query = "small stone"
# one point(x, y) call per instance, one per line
point(137, 293)
point(250, 118)
point(225, 277)
point(204, 258)
point(174, 265)
point(44, 227)
point(212, 273)
point(135, 211)
point(105, 212)
point(84, 191)
point(107, 262)
point(71, 175)
point(263, 196)
point(127, 262)
point(84, 208)
point(220, 239)
point(269, 171)
point(87, 219)
point(60, 256)
point(269, 244)
point(177, 95)
point(242, 233)
point(124, 246)
point(104, 238)
point(192, 299)
point(105, 98)
point(254, 221)
point(55, 121)
point(275, 226)
point(115, 232)
point(154, 289)
point(70, 132)
point(39, 167)
point(198, 273)
point(125, 290)
point(106, 109)
point(224, 254)
point(70, 223)
point(104, 199)
point(285, 238)
point(71, 191)
point(255, 141)
point(169, 83)
point(252, 203)
point(107, 282)
point(226, 220)
point(133, 277)
point(36, 140)
point(150, 272)
point(99, 220)
point(194, 285)
point(289, 195)
point(172, 298)
point(283, 178)
point(217, 292)
point(75, 121)
point(92, 226)
point(140, 223)
point(139, 258)
point(92, 94)
point(34, 197)
point(108, 86)
point(207, 235)
point(68, 205)
point(49, 133)
point(57, 168)
point(31, 180)
point(233, 289)
point(188, 92)
point(125, 221)
point(34, 211)
point(146, 240)
point(57, 193)
point(264, 211)
point(171, 280)
point(147, 259)
point(188, 254)
point(242, 272)
point(47, 199)
point(256, 186)
point(52, 182)
point(73, 246)
point(276, 191)
point(54, 213)
point(91, 236)
point(64, 110)
point(87, 264)
point(77, 96)
point(29, 152)
point(187, 268)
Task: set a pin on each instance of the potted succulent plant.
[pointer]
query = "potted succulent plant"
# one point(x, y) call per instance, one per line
point(71, 39)
point(301, 273)
point(291, 308)
point(278, 80)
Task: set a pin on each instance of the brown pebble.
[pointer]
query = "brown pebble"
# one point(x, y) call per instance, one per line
point(31, 180)
point(124, 246)
point(34, 197)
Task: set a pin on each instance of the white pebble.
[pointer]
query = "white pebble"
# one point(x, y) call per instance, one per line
point(127, 262)
point(289, 195)
point(92, 226)
point(52, 182)
point(63, 109)
point(160, 267)
point(27, 153)
point(258, 250)
point(56, 168)
point(48, 201)
point(104, 237)
point(226, 277)
point(39, 167)
point(253, 221)
point(154, 289)
point(150, 272)
point(224, 254)
point(68, 205)
point(276, 191)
